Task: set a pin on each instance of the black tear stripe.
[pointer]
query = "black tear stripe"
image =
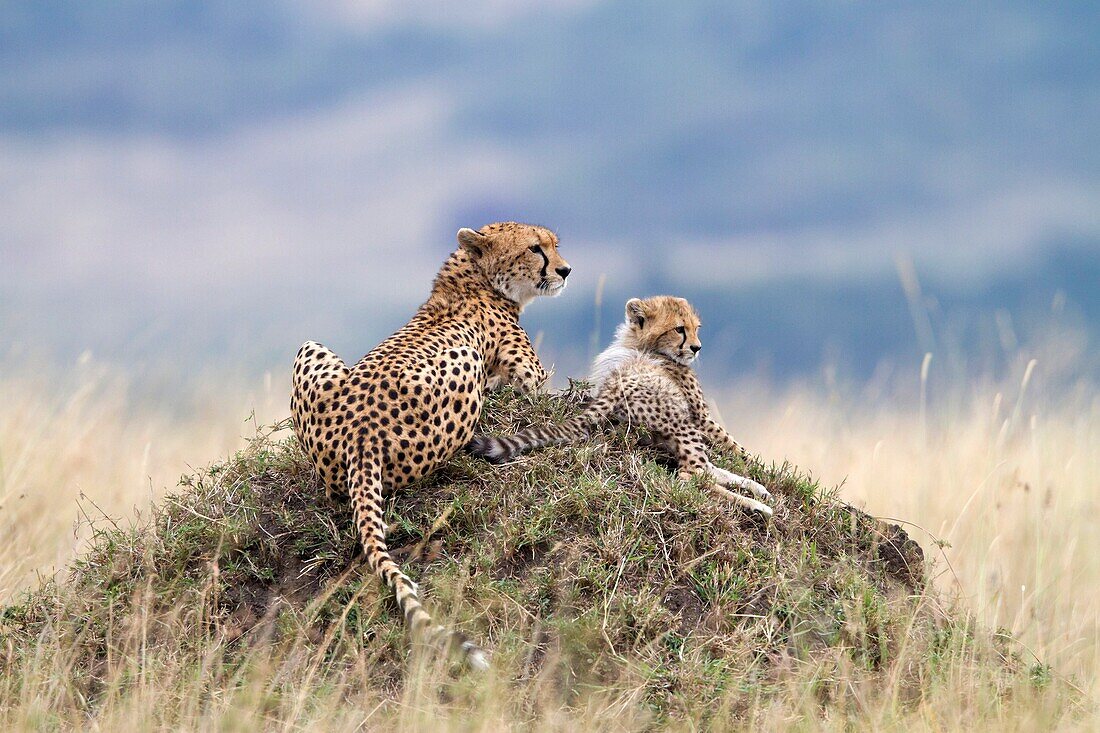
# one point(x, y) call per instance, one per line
point(684, 340)
point(545, 263)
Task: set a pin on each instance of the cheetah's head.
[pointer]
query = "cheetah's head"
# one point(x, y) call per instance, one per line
point(521, 261)
point(663, 324)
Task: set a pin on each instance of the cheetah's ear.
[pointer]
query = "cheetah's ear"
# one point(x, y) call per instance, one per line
point(635, 312)
point(471, 241)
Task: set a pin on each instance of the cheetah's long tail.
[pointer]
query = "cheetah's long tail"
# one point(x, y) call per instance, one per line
point(497, 449)
point(365, 485)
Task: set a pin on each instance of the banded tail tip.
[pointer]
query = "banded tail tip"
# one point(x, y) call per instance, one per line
point(477, 659)
point(457, 647)
point(491, 449)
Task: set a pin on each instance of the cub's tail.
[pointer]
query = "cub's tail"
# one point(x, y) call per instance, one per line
point(497, 449)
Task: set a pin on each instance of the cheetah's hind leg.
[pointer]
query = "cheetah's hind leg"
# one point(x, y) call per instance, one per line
point(318, 377)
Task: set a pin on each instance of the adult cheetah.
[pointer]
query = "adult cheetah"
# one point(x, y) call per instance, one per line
point(645, 378)
point(412, 402)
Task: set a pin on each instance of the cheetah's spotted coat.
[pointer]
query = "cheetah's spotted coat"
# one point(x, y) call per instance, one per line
point(413, 401)
point(645, 378)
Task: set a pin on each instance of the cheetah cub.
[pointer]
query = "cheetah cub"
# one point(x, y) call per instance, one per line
point(645, 378)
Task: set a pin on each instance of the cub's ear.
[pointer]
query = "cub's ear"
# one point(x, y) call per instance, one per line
point(635, 312)
point(471, 241)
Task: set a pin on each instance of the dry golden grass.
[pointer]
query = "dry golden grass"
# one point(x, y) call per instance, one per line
point(1010, 486)
point(68, 434)
point(1006, 475)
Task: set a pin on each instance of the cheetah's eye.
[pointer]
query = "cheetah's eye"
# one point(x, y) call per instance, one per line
point(536, 249)
point(680, 330)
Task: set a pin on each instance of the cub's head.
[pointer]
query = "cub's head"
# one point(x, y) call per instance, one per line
point(663, 324)
point(521, 261)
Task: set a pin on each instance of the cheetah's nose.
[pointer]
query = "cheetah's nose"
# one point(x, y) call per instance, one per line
point(564, 271)
point(696, 348)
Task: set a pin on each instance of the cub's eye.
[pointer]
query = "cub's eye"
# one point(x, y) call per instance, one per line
point(536, 249)
point(680, 330)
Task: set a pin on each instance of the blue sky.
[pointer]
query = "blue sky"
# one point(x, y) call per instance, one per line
point(235, 177)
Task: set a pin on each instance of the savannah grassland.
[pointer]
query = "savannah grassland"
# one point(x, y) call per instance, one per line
point(997, 479)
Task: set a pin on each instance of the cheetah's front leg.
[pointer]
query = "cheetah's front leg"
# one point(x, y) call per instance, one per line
point(517, 364)
point(716, 488)
point(718, 436)
point(715, 433)
point(733, 481)
point(692, 456)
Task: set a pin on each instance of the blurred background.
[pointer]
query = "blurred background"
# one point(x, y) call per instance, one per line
point(836, 185)
point(188, 190)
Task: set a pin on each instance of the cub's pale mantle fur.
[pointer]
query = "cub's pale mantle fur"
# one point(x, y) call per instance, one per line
point(645, 378)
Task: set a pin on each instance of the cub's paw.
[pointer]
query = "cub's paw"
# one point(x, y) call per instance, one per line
point(757, 489)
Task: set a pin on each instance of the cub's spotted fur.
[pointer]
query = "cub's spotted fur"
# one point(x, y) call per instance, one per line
point(413, 401)
point(645, 378)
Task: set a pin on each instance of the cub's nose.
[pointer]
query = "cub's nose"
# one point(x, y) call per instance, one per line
point(564, 271)
point(696, 348)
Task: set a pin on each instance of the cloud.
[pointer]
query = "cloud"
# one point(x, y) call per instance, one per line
point(477, 15)
point(967, 242)
point(347, 197)
point(315, 158)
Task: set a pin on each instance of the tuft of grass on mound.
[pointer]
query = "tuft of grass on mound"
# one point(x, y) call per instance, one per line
point(597, 580)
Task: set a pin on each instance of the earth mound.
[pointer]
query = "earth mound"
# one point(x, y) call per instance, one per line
point(588, 567)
